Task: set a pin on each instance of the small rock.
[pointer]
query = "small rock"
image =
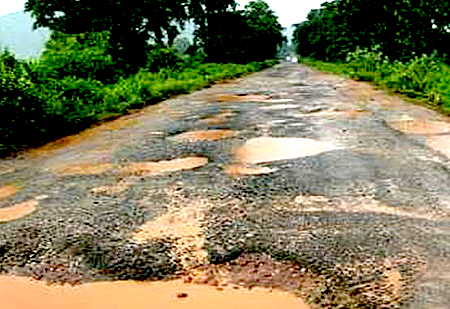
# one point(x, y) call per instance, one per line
point(182, 295)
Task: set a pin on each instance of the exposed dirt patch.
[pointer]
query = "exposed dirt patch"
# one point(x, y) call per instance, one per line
point(238, 170)
point(21, 293)
point(83, 169)
point(18, 211)
point(417, 126)
point(160, 167)
point(182, 222)
point(7, 191)
point(204, 135)
point(268, 149)
point(217, 119)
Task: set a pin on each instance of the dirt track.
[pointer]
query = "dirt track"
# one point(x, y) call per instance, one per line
point(321, 186)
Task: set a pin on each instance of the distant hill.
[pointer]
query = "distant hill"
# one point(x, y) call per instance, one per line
point(18, 36)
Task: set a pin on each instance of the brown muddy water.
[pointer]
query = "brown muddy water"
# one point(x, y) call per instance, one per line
point(23, 293)
point(268, 149)
point(17, 211)
point(7, 191)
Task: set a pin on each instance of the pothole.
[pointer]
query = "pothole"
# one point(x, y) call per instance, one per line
point(268, 149)
point(160, 167)
point(84, 169)
point(204, 135)
point(18, 211)
point(278, 107)
point(239, 170)
point(23, 293)
point(183, 223)
point(411, 125)
point(243, 98)
point(7, 191)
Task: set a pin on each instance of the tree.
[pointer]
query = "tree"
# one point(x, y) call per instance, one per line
point(131, 23)
point(401, 27)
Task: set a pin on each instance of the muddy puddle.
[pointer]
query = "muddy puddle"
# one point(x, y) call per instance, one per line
point(18, 211)
point(204, 135)
point(22, 293)
point(83, 169)
point(351, 114)
point(7, 191)
point(161, 167)
point(240, 98)
point(268, 149)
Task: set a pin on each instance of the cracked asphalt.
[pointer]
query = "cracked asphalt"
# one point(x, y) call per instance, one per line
point(352, 204)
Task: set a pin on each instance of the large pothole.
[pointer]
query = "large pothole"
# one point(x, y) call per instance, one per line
point(268, 149)
point(204, 135)
point(161, 167)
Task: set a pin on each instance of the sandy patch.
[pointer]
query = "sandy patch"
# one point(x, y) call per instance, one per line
point(182, 222)
point(7, 191)
point(268, 149)
point(83, 169)
point(278, 107)
point(17, 211)
point(160, 167)
point(23, 293)
point(238, 170)
point(204, 135)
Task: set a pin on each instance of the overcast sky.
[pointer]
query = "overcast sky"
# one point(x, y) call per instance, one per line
point(289, 11)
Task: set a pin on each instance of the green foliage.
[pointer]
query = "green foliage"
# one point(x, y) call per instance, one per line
point(424, 77)
point(38, 105)
point(163, 58)
point(82, 56)
point(401, 28)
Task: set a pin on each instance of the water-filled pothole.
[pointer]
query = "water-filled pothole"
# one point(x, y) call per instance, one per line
point(7, 191)
point(18, 211)
point(160, 167)
point(83, 169)
point(268, 149)
point(417, 126)
point(23, 293)
point(239, 170)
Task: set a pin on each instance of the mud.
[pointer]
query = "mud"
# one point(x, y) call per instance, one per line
point(160, 167)
point(18, 211)
point(269, 149)
point(278, 107)
point(83, 169)
point(21, 293)
point(7, 191)
point(217, 119)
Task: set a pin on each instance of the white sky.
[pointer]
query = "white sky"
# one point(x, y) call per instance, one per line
point(289, 11)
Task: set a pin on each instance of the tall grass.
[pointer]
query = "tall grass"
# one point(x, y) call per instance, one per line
point(425, 77)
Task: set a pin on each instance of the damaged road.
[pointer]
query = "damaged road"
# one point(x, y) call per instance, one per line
point(309, 183)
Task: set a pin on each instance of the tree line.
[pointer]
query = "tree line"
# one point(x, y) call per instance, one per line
point(402, 29)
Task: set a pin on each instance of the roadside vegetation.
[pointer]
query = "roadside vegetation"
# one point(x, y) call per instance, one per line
point(402, 49)
point(120, 62)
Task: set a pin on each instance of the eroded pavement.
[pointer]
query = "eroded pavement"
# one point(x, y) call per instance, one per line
point(310, 183)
